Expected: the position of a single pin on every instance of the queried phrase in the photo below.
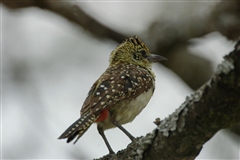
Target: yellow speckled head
(133, 51)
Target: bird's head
(134, 51)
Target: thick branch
(216, 105)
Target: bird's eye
(143, 53)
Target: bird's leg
(124, 130)
(101, 132)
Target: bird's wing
(116, 85)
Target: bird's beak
(156, 58)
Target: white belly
(134, 107)
(128, 110)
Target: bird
(120, 93)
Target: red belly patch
(103, 115)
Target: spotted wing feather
(116, 84)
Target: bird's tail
(79, 127)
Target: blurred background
(52, 52)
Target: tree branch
(169, 37)
(215, 106)
(73, 13)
